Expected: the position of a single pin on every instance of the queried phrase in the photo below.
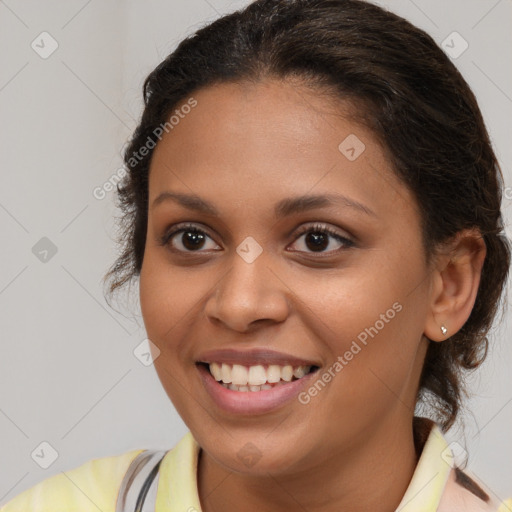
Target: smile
(237, 377)
(254, 389)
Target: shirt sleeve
(91, 487)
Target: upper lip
(251, 357)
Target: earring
(444, 330)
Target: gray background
(68, 374)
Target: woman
(312, 206)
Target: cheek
(351, 304)
(169, 297)
(370, 321)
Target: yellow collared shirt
(94, 486)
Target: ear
(454, 283)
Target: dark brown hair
(405, 89)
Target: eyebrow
(283, 208)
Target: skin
(244, 148)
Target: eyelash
(316, 228)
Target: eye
(193, 239)
(318, 235)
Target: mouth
(255, 378)
(255, 384)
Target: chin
(258, 456)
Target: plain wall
(68, 375)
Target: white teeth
(287, 373)
(273, 373)
(298, 372)
(257, 375)
(216, 371)
(226, 373)
(255, 378)
(239, 375)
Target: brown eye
(191, 239)
(317, 239)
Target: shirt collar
(177, 489)
(432, 470)
(177, 485)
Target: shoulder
(464, 492)
(506, 506)
(92, 486)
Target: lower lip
(252, 402)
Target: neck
(372, 475)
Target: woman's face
(255, 284)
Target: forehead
(252, 144)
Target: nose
(247, 296)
